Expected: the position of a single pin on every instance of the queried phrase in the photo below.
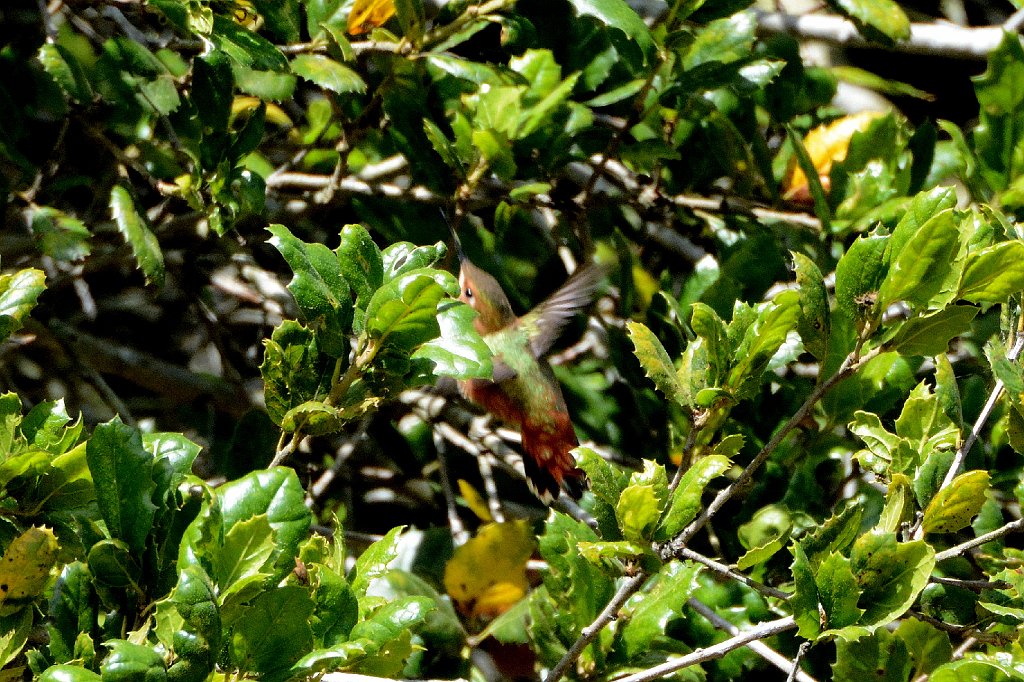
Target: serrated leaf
(662, 602)
(245, 47)
(403, 312)
(686, 498)
(957, 504)
(246, 549)
(274, 633)
(879, 656)
(294, 370)
(994, 273)
(892, 575)
(918, 269)
(72, 609)
(362, 266)
(930, 334)
(122, 472)
(25, 568)
(617, 15)
(761, 340)
(929, 647)
(638, 510)
(374, 561)
(815, 322)
(320, 290)
(59, 235)
(132, 227)
(606, 480)
(881, 20)
(403, 257)
(655, 361)
(838, 593)
(66, 70)
(18, 294)
(327, 73)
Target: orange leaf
(826, 144)
(367, 14)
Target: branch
(939, 39)
(590, 633)
(850, 365)
(761, 631)
(760, 648)
(726, 572)
(1011, 527)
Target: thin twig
(850, 365)
(963, 547)
(725, 571)
(610, 612)
(758, 647)
(761, 631)
(975, 585)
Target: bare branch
(947, 40)
(963, 547)
(761, 631)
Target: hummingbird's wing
(545, 322)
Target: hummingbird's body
(523, 390)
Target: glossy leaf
(881, 656)
(994, 273)
(274, 633)
(122, 471)
(459, 351)
(60, 236)
(618, 15)
(930, 335)
(18, 294)
(815, 320)
(891, 574)
(327, 73)
(655, 361)
(133, 228)
(320, 290)
(127, 662)
(686, 498)
(674, 584)
(25, 568)
(918, 269)
(957, 504)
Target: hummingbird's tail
(549, 466)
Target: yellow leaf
(246, 104)
(476, 503)
(367, 14)
(487, 575)
(954, 506)
(25, 568)
(825, 145)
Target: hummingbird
(523, 391)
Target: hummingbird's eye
(469, 293)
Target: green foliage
(795, 377)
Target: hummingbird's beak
(455, 237)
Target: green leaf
(930, 334)
(954, 506)
(838, 593)
(60, 236)
(112, 564)
(459, 351)
(68, 673)
(761, 340)
(213, 87)
(638, 510)
(929, 647)
(814, 323)
(327, 73)
(277, 493)
(128, 662)
(245, 47)
(606, 480)
(294, 370)
(246, 550)
(881, 656)
(46, 426)
(373, 562)
(918, 269)
(859, 273)
(132, 227)
(994, 273)
(72, 610)
(974, 670)
(336, 606)
(880, 20)
(616, 14)
(25, 569)
(64, 67)
(663, 601)
(891, 574)
(320, 290)
(686, 498)
(402, 257)
(403, 312)
(835, 534)
(122, 472)
(362, 266)
(18, 294)
(274, 633)
(655, 361)
(14, 632)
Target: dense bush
(230, 443)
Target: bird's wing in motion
(544, 323)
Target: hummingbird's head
(483, 293)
